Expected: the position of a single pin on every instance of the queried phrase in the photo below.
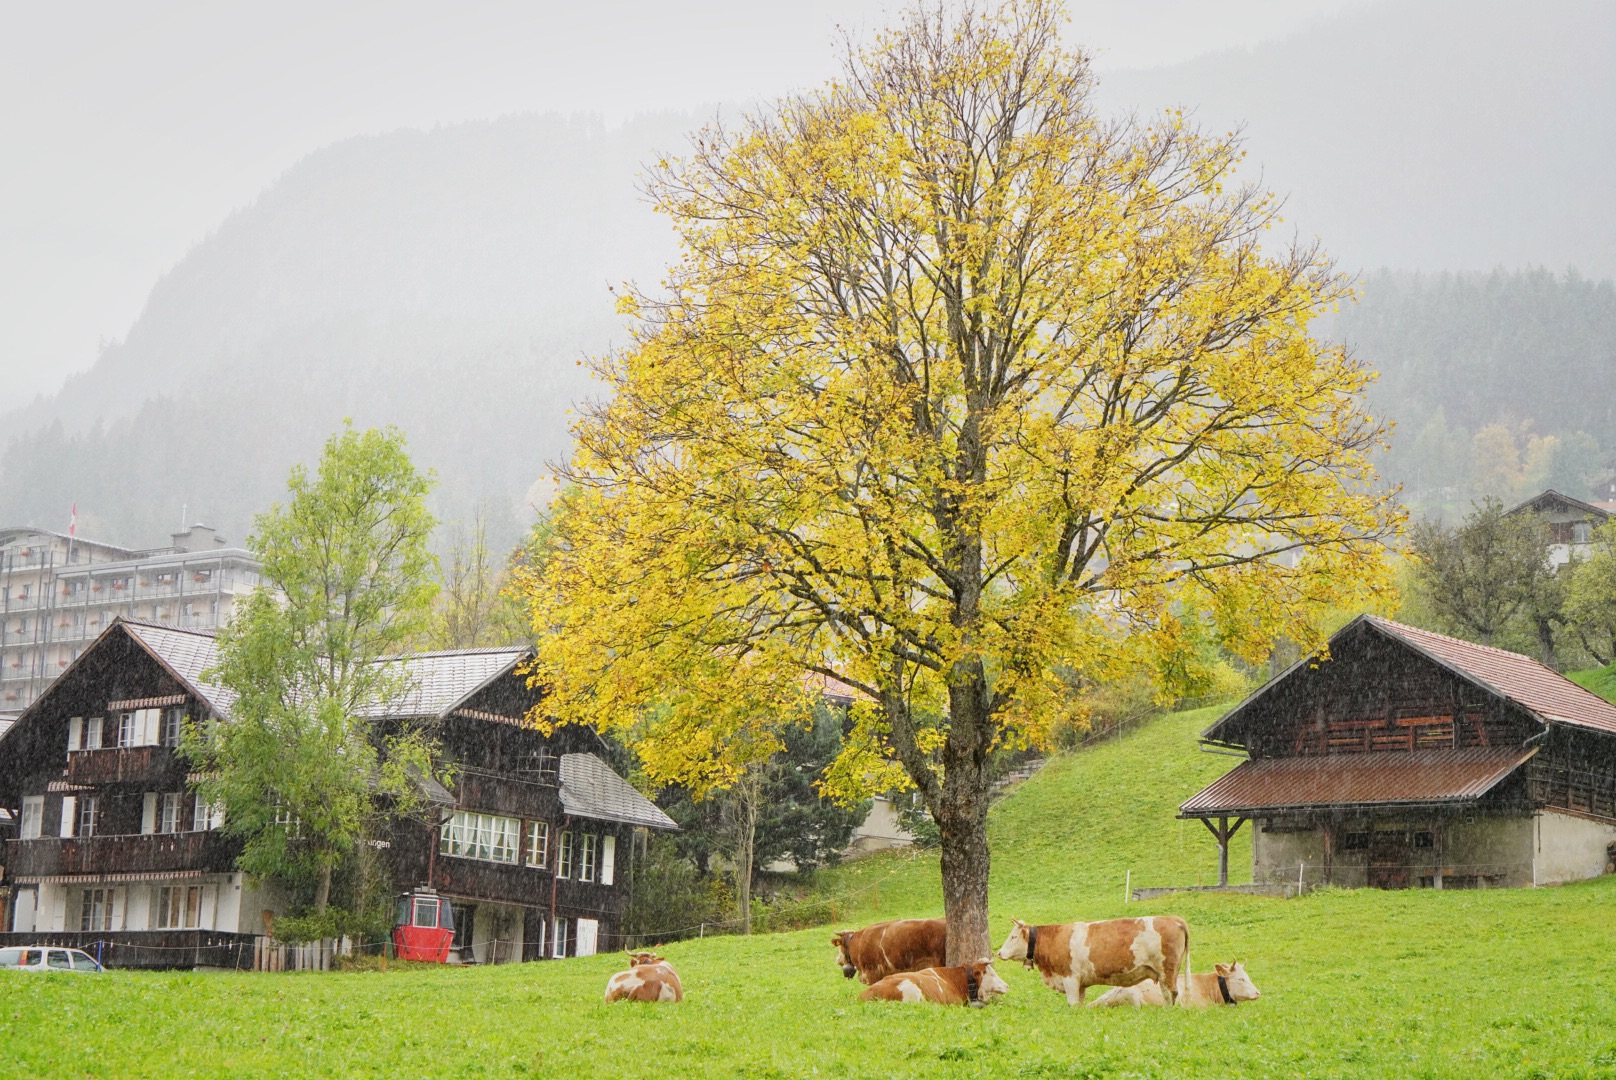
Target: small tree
(476, 608)
(1488, 574)
(304, 774)
(1591, 595)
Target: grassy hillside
(1601, 681)
(1355, 984)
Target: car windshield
(82, 962)
(10, 958)
(59, 961)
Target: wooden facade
(1408, 758)
(114, 849)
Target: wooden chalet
(1409, 759)
(114, 851)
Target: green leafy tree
(1591, 596)
(1489, 575)
(303, 770)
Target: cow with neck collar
(969, 984)
(1072, 957)
(1228, 984)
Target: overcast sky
(132, 129)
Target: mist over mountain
(449, 281)
(1424, 135)
(445, 281)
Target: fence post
(1301, 869)
(1127, 887)
(702, 932)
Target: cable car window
(446, 916)
(426, 911)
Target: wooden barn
(1411, 759)
(114, 851)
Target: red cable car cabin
(425, 927)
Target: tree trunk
(748, 793)
(1545, 642)
(962, 816)
(322, 892)
(965, 881)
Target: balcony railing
(210, 852)
(114, 765)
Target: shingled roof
(1543, 692)
(591, 789)
(1540, 690)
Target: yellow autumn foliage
(957, 392)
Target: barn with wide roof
(1404, 758)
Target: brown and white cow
(1228, 984)
(885, 948)
(1117, 952)
(969, 984)
(649, 978)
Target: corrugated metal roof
(187, 653)
(590, 789)
(1540, 690)
(436, 681)
(1387, 778)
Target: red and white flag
(73, 520)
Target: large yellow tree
(957, 391)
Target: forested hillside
(1499, 384)
(450, 281)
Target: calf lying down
(649, 978)
(971, 984)
(1227, 985)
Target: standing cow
(1117, 952)
(885, 948)
(969, 984)
(1228, 984)
(649, 978)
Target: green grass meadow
(1355, 983)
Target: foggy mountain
(450, 280)
(446, 281)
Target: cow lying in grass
(885, 948)
(1227, 985)
(649, 978)
(1118, 952)
(969, 984)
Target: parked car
(45, 958)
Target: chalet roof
(1541, 691)
(186, 654)
(1546, 499)
(591, 789)
(1327, 781)
(437, 681)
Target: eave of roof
(1382, 779)
(590, 788)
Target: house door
(588, 929)
(1390, 854)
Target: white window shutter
(608, 859)
(75, 733)
(115, 916)
(587, 931)
(151, 726)
(58, 921)
(70, 815)
(148, 814)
